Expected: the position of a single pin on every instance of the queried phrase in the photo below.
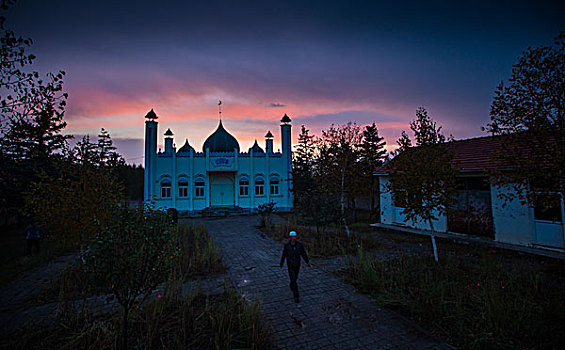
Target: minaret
(168, 142)
(150, 153)
(286, 140)
(269, 143)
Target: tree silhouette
(529, 115)
(423, 177)
(372, 155)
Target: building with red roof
(482, 208)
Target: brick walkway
(331, 314)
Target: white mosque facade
(219, 176)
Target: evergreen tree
(36, 137)
(372, 154)
(106, 149)
(303, 162)
(85, 152)
(31, 119)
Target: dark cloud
(276, 105)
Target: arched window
(183, 188)
(199, 185)
(165, 188)
(244, 186)
(259, 184)
(274, 185)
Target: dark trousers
(293, 274)
(32, 242)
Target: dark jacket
(32, 232)
(292, 254)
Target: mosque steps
(223, 211)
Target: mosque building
(221, 175)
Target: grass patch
(13, 256)
(485, 302)
(224, 321)
(199, 257)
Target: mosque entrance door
(222, 190)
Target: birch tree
(424, 176)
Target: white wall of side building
(513, 221)
(391, 215)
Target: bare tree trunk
(354, 204)
(125, 329)
(372, 194)
(342, 199)
(433, 236)
(342, 194)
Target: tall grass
(224, 321)
(474, 305)
(198, 254)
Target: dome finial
(285, 119)
(220, 110)
(151, 115)
(256, 148)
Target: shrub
(131, 257)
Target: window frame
(259, 188)
(243, 186)
(166, 186)
(199, 186)
(274, 184)
(543, 210)
(182, 186)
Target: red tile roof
(476, 154)
(470, 155)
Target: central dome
(220, 141)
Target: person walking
(292, 252)
(33, 235)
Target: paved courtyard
(331, 315)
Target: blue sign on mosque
(223, 162)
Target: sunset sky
(321, 62)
